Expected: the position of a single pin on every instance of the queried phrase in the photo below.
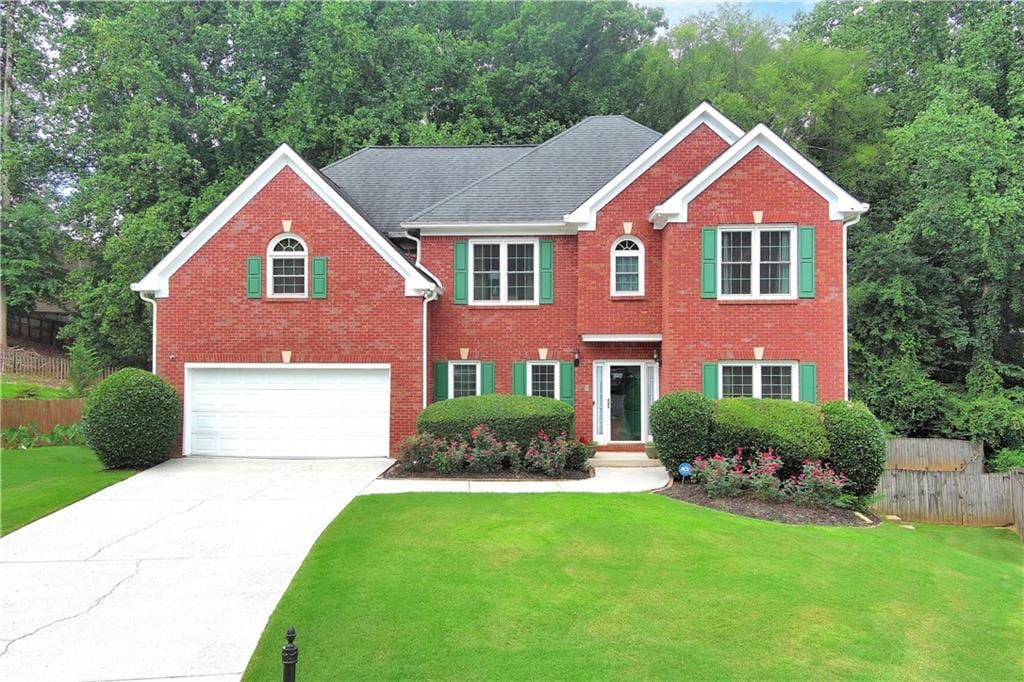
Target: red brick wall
(365, 318)
(700, 330)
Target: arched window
(627, 267)
(287, 267)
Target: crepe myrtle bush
(132, 419)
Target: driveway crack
(99, 600)
(142, 529)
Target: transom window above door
(542, 379)
(287, 267)
(758, 380)
(757, 262)
(503, 272)
(627, 267)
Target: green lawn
(488, 587)
(37, 482)
(22, 389)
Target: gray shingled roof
(550, 180)
(389, 184)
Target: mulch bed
(398, 471)
(783, 512)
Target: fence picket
(30, 363)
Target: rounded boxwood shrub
(856, 443)
(132, 419)
(681, 427)
(512, 417)
(794, 430)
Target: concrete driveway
(169, 574)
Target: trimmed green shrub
(792, 429)
(1007, 459)
(132, 419)
(856, 443)
(681, 427)
(517, 418)
(578, 454)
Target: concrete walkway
(605, 480)
(169, 574)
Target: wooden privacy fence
(935, 454)
(948, 497)
(20, 361)
(45, 414)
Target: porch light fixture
(655, 354)
(576, 358)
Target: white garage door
(288, 410)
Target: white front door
(278, 410)
(623, 393)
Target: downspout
(143, 296)
(846, 310)
(428, 296)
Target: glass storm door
(623, 393)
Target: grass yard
(37, 482)
(431, 586)
(22, 389)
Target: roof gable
(585, 215)
(157, 280)
(841, 204)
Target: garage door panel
(289, 412)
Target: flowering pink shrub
(486, 453)
(763, 477)
(450, 459)
(816, 486)
(416, 452)
(548, 455)
(720, 476)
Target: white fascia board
(586, 214)
(621, 338)
(841, 204)
(489, 229)
(157, 280)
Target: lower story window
(758, 380)
(465, 379)
(543, 379)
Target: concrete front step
(622, 459)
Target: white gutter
(428, 296)
(142, 295)
(846, 310)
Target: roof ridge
(638, 124)
(344, 158)
(426, 146)
(497, 170)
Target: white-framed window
(463, 378)
(757, 262)
(504, 272)
(776, 380)
(287, 267)
(542, 379)
(627, 267)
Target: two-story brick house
(317, 312)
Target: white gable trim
(840, 204)
(157, 280)
(585, 216)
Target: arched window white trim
(627, 267)
(287, 267)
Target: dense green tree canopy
(131, 120)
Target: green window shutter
(519, 378)
(486, 378)
(440, 381)
(319, 276)
(566, 383)
(709, 380)
(253, 277)
(547, 271)
(805, 257)
(708, 262)
(460, 295)
(808, 382)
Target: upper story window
(503, 272)
(287, 267)
(758, 380)
(542, 379)
(757, 262)
(627, 267)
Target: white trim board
(157, 280)
(489, 229)
(621, 338)
(841, 204)
(585, 215)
